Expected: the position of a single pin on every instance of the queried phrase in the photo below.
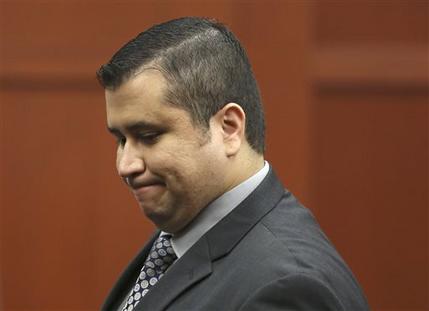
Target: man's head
(184, 105)
(205, 68)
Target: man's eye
(120, 141)
(149, 138)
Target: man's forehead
(133, 112)
(148, 81)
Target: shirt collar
(215, 211)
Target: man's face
(173, 168)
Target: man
(185, 109)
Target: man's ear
(232, 121)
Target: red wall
(345, 88)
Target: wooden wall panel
(370, 79)
(372, 169)
(368, 21)
(52, 148)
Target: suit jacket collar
(223, 237)
(196, 263)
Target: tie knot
(165, 239)
(162, 253)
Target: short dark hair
(204, 65)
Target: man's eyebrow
(141, 125)
(135, 126)
(113, 130)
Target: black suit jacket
(269, 253)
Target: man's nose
(129, 161)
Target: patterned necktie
(160, 257)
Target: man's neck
(243, 167)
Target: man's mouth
(135, 183)
(147, 191)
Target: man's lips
(146, 187)
(135, 183)
(146, 190)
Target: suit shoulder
(305, 254)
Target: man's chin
(157, 215)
